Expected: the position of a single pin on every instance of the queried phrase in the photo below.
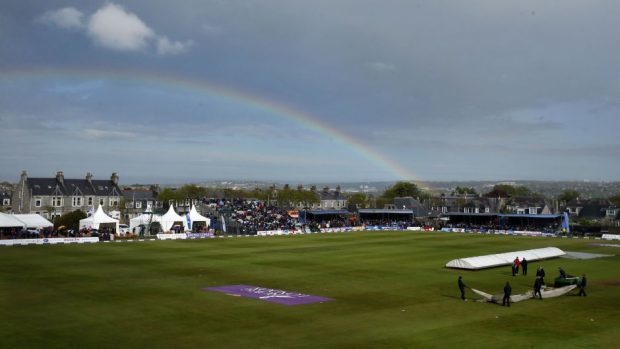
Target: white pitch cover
(496, 260)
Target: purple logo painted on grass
(269, 294)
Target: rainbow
(277, 109)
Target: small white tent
(170, 219)
(195, 217)
(33, 220)
(98, 218)
(143, 219)
(9, 221)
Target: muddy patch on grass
(610, 282)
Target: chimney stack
(89, 177)
(114, 178)
(60, 177)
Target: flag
(565, 222)
(223, 223)
(189, 221)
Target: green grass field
(391, 290)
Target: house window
(113, 202)
(444, 209)
(37, 202)
(89, 201)
(520, 211)
(101, 201)
(533, 210)
(611, 213)
(56, 201)
(129, 204)
(77, 201)
(138, 204)
(487, 210)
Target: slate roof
(70, 187)
(596, 208)
(139, 195)
(527, 201)
(330, 195)
(411, 204)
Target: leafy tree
(71, 220)
(48, 209)
(615, 200)
(360, 200)
(169, 194)
(192, 191)
(464, 191)
(568, 195)
(288, 197)
(401, 189)
(307, 198)
(506, 190)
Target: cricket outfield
(385, 290)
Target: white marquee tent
(9, 221)
(195, 217)
(98, 218)
(143, 219)
(33, 220)
(496, 260)
(171, 218)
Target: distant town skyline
(320, 91)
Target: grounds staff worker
(462, 287)
(507, 292)
(582, 286)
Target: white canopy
(33, 220)
(8, 221)
(171, 217)
(143, 219)
(194, 217)
(496, 260)
(99, 217)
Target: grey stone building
(139, 201)
(5, 201)
(330, 199)
(54, 196)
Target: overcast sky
(428, 90)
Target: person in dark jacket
(562, 273)
(537, 286)
(524, 266)
(541, 272)
(582, 286)
(462, 288)
(507, 292)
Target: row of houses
(54, 196)
(591, 209)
